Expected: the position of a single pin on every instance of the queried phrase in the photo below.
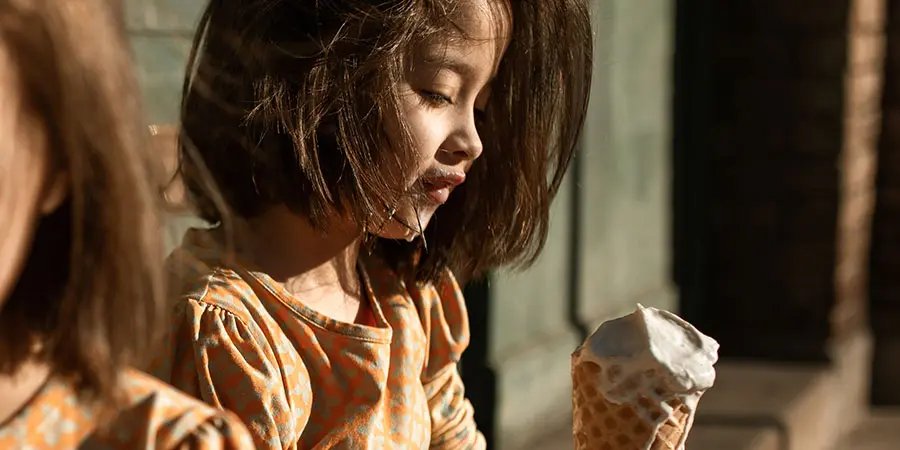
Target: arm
(236, 368)
(446, 325)
(452, 416)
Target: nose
(464, 143)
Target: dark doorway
(692, 113)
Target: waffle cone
(600, 424)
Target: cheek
(15, 240)
(425, 125)
(23, 164)
(426, 131)
(22, 176)
(20, 187)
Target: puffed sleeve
(442, 310)
(235, 364)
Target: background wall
(161, 32)
(609, 246)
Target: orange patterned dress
(152, 416)
(301, 380)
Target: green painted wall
(627, 142)
(161, 32)
(625, 250)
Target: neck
(312, 264)
(19, 387)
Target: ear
(56, 189)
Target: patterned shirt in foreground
(301, 380)
(152, 416)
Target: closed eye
(434, 98)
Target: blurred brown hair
(90, 291)
(285, 102)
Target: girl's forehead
(485, 19)
(481, 30)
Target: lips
(439, 186)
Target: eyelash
(434, 99)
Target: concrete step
(732, 437)
(879, 431)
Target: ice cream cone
(637, 381)
(601, 424)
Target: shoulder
(215, 312)
(147, 414)
(198, 287)
(176, 420)
(153, 414)
(425, 294)
(443, 296)
(440, 306)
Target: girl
(79, 263)
(323, 308)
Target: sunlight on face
(444, 96)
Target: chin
(395, 228)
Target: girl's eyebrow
(454, 64)
(458, 65)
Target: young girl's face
(444, 94)
(23, 175)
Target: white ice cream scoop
(650, 361)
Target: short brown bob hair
(90, 292)
(285, 102)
